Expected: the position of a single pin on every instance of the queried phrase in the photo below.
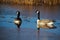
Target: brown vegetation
(31, 2)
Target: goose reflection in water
(38, 35)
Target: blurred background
(49, 9)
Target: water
(8, 29)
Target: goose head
(18, 20)
(38, 12)
(18, 14)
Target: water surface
(8, 29)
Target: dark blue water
(29, 17)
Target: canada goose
(45, 23)
(18, 20)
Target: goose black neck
(39, 15)
(18, 15)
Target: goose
(44, 23)
(18, 20)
